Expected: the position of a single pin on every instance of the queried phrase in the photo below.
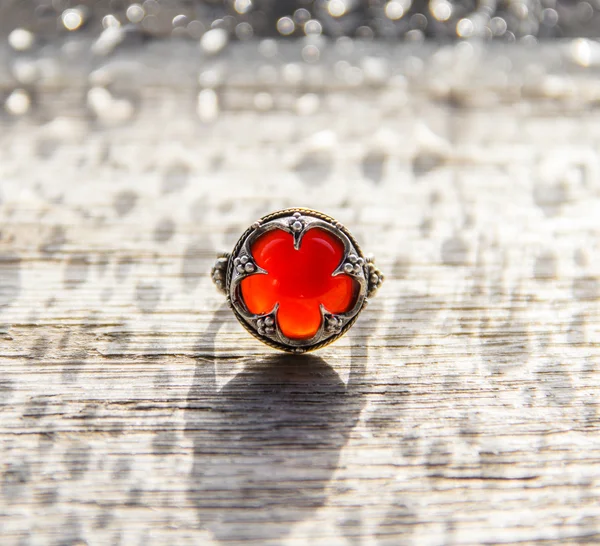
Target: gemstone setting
(306, 284)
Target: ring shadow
(267, 444)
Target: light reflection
(313, 28)
(308, 104)
(550, 17)
(585, 52)
(135, 13)
(267, 48)
(465, 28)
(20, 39)
(107, 108)
(301, 16)
(498, 26)
(110, 21)
(418, 21)
(415, 35)
(214, 40)
(18, 102)
(151, 24)
(242, 6)
(337, 8)
(179, 20)
(395, 9)
(242, 19)
(375, 70)
(584, 11)
(365, 32)
(25, 71)
(110, 38)
(529, 40)
(440, 9)
(244, 30)
(520, 9)
(210, 77)
(207, 105)
(151, 7)
(311, 53)
(285, 26)
(292, 73)
(72, 19)
(195, 29)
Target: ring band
(296, 279)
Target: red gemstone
(299, 280)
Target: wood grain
(463, 406)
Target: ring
(296, 279)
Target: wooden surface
(463, 406)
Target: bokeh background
(457, 140)
(242, 20)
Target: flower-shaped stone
(299, 280)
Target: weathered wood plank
(463, 407)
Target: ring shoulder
(218, 273)
(374, 278)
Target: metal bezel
(296, 221)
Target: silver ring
(296, 279)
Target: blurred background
(457, 140)
(242, 20)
